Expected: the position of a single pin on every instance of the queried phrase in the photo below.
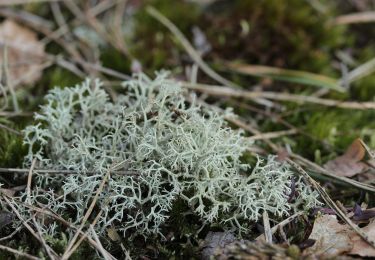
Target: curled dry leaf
(24, 53)
(334, 239)
(349, 164)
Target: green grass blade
(301, 77)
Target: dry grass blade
(301, 77)
(230, 92)
(76, 245)
(362, 17)
(16, 212)
(21, 2)
(272, 135)
(13, 131)
(47, 171)
(72, 246)
(267, 227)
(28, 191)
(100, 246)
(281, 224)
(11, 235)
(65, 223)
(324, 172)
(331, 203)
(18, 253)
(68, 251)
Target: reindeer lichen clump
(168, 149)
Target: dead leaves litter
(24, 53)
(335, 239)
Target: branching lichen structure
(159, 148)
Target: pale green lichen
(168, 149)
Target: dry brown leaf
(24, 53)
(360, 247)
(349, 164)
(334, 239)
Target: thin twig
(76, 245)
(15, 114)
(13, 131)
(267, 227)
(16, 252)
(11, 235)
(51, 171)
(23, 221)
(48, 212)
(231, 92)
(324, 172)
(68, 251)
(272, 135)
(74, 248)
(281, 224)
(21, 2)
(100, 246)
(30, 18)
(362, 17)
(28, 194)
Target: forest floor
(299, 75)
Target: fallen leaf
(24, 53)
(349, 164)
(334, 239)
(360, 247)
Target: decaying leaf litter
(299, 87)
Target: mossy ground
(294, 36)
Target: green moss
(272, 33)
(58, 76)
(111, 58)
(12, 151)
(152, 43)
(332, 131)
